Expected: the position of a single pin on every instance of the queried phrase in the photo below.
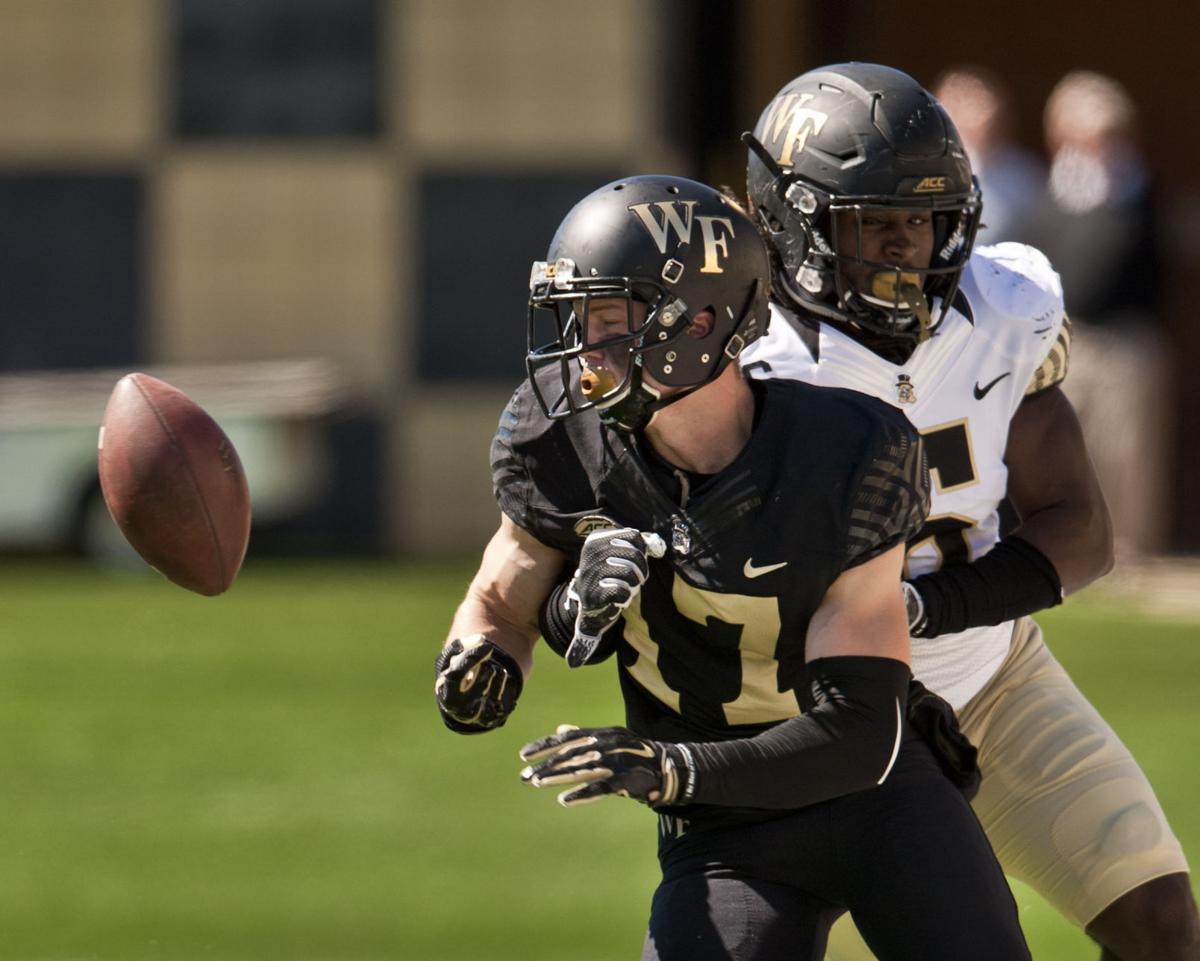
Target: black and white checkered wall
(204, 181)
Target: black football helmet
(852, 137)
(666, 249)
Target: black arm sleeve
(554, 620)
(846, 743)
(1013, 579)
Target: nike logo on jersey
(982, 392)
(751, 571)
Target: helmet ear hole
(702, 323)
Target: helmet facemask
(806, 226)
(562, 335)
(896, 300)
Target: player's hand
(477, 685)
(608, 760)
(613, 566)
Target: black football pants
(908, 860)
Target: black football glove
(609, 760)
(477, 685)
(613, 566)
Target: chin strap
(637, 408)
(914, 296)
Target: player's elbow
(866, 744)
(1097, 557)
(861, 702)
(882, 745)
(1082, 547)
(1105, 560)
(1105, 555)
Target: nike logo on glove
(981, 392)
(751, 571)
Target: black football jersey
(713, 647)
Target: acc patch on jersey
(592, 523)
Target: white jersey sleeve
(960, 389)
(1024, 315)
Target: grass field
(263, 776)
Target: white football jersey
(1004, 337)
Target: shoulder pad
(890, 499)
(1018, 306)
(543, 471)
(1016, 281)
(789, 349)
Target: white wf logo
(788, 112)
(716, 231)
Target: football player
(748, 537)
(859, 180)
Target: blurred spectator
(1010, 176)
(1097, 224)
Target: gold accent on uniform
(760, 700)
(645, 670)
(935, 475)
(1053, 369)
(931, 185)
(913, 546)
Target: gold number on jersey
(948, 535)
(951, 458)
(759, 699)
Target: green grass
(263, 775)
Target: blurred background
(317, 216)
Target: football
(174, 484)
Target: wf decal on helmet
(715, 243)
(788, 111)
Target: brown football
(174, 484)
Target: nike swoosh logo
(981, 392)
(751, 571)
(896, 746)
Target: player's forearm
(556, 620)
(1053, 486)
(481, 669)
(479, 615)
(514, 577)
(1076, 536)
(846, 743)
(1012, 580)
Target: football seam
(191, 474)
